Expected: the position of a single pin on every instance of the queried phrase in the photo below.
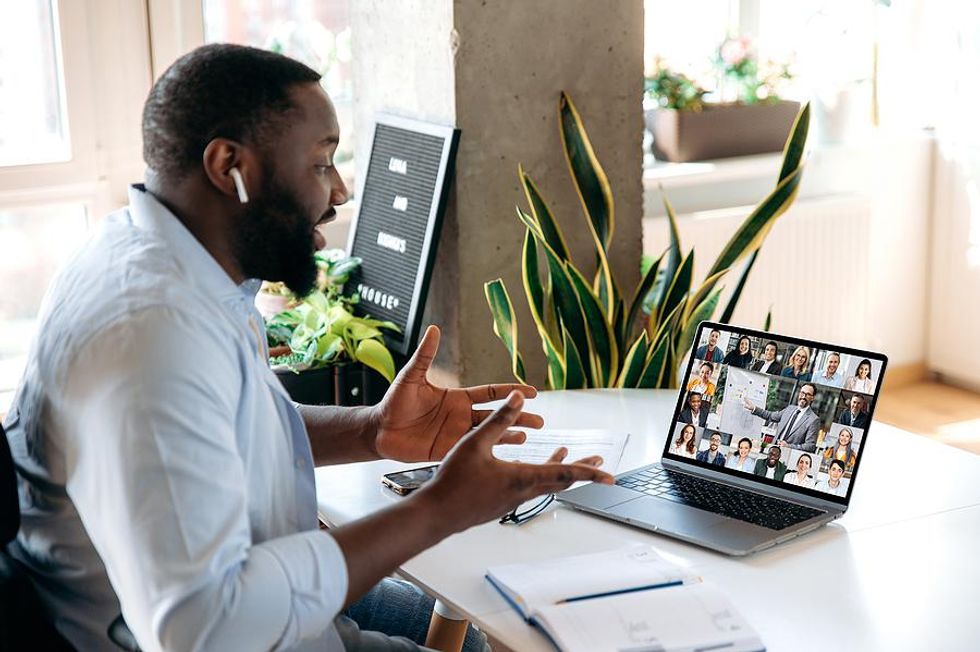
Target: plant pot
(347, 384)
(720, 130)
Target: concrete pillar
(495, 69)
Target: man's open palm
(420, 421)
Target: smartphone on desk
(404, 482)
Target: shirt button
(299, 462)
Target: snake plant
(591, 334)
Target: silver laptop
(764, 444)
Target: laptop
(764, 445)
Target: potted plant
(745, 114)
(591, 334)
(320, 350)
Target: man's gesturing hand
(421, 421)
(473, 486)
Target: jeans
(392, 617)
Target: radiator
(812, 271)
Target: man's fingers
(487, 393)
(490, 431)
(566, 474)
(558, 455)
(591, 460)
(418, 366)
(512, 437)
(524, 420)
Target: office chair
(23, 625)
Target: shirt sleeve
(153, 468)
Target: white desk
(898, 571)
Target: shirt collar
(150, 214)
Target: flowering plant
(672, 90)
(748, 82)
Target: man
(164, 472)
(854, 414)
(768, 364)
(833, 484)
(712, 455)
(831, 376)
(702, 383)
(693, 413)
(798, 425)
(771, 467)
(710, 351)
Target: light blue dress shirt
(161, 465)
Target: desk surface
(895, 572)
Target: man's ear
(221, 156)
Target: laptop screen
(777, 410)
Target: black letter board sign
(396, 226)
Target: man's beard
(274, 240)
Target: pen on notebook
(648, 587)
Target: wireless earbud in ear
(236, 176)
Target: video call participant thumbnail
(833, 484)
(685, 445)
(768, 364)
(861, 381)
(854, 414)
(710, 351)
(831, 375)
(741, 355)
(771, 467)
(712, 455)
(702, 382)
(843, 450)
(696, 411)
(801, 477)
(797, 365)
(798, 425)
(740, 460)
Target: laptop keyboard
(719, 498)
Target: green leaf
(570, 314)
(698, 297)
(600, 332)
(634, 363)
(642, 290)
(593, 191)
(547, 225)
(795, 143)
(328, 347)
(680, 286)
(752, 232)
(374, 354)
(591, 182)
(653, 370)
(726, 316)
(702, 312)
(556, 366)
(662, 284)
(504, 324)
(535, 292)
(754, 229)
(575, 375)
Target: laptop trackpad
(668, 516)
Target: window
(69, 144)
(316, 33)
(33, 116)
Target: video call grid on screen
(770, 371)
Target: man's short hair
(219, 90)
(691, 395)
(838, 463)
(812, 386)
